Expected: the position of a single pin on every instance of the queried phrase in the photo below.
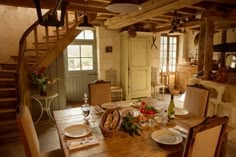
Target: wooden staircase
(38, 47)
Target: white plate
(133, 112)
(166, 137)
(78, 130)
(123, 104)
(180, 111)
(109, 105)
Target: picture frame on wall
(108, 49)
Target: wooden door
(80, 65)
(138, 67)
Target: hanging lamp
(123, 6)
(85, 25)
(174, 25)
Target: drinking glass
(85, 111)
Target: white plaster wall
(108, 60)
(14, 21)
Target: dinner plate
(123, 104)
(109, 105)
(78, 130)
(166, 137)
(180, 111)
(133, 112)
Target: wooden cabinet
(135, 65)
(183, 75)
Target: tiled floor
(49, 140)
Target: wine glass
(85, 111)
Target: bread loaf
(108, 121)
(115, 119)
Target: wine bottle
(171, 108)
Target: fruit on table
(150, 110)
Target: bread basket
(109, 132)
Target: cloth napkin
(82, 142)
(182, 131)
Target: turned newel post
(201, 47)
(208, 48)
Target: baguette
(108, 121)
(115, 119)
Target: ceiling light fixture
(85, 25)
(174, 25)
(123, 6)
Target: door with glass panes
(80, 65)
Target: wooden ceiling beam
(196, 7)
(223, 1)
(149, 9)
(185, 25)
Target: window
(168, 53)
(80, 53)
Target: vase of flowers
(42, 80)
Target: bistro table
(121, 144)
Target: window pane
(73, 51)
(89, 34)
(87, 63)
(86, 51)
(81, 35)
(73, 64)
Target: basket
(109, 132)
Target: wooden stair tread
(8, 99)
(50, 42)
(7, 110)
(40, 49)
(7, 89)
(9, 122)
(8, 71)
(9, 136)
(7, 79)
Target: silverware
(82, 141)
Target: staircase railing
(26, 50)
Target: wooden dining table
(120, 144)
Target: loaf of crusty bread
(115, 119)
(108, 121)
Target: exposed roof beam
(223, 1)
(196, 7)
(185, 25)
(149, 9)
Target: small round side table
(48, 100)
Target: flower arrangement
(42, 80)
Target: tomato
(151, 112)
(143, 103)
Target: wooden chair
(99, 92)
(207, 139)
(30, 138)
(116, 90)
(156, 86)
(196, 100)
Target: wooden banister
(22, 71)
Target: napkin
(178, 129)
(82, 142)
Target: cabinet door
(139, 69)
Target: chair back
(196, 100)
(28, 132)
(99, 92)
(153, 76)
(207, 138)
(111, 76)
